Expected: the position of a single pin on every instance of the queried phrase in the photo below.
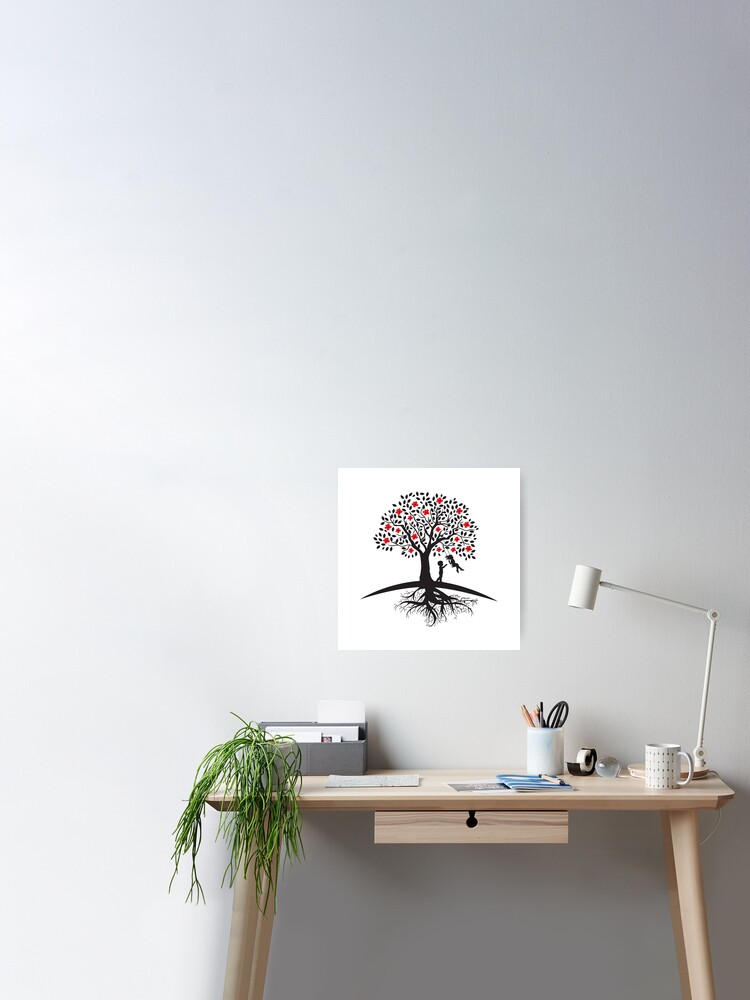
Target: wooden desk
(434, 813)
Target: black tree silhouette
(430, 526)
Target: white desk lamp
(586, 583)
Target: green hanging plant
(255, 777)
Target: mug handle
(689, 759)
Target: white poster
(429, 558)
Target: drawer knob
(472, 821)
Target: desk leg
(687, 903)
(249, 944)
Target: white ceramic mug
(662, 767)
(544, 751)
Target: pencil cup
(544, 751)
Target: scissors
(557, 716)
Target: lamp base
(639, 771)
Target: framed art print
(429, 558)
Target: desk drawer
(459, 827)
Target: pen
(541, 715)
(553, 778)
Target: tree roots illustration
(434, 605)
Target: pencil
(527, 717)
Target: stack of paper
(371, 780)
(314, 732)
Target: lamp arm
(699, 753)
(654, 597)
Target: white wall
(224, 226)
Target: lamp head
(585, 587)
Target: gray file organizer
(331, 758)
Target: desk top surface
(433, 793)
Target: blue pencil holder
(545, 751)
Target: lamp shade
(585, 587)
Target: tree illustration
(438, 531)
